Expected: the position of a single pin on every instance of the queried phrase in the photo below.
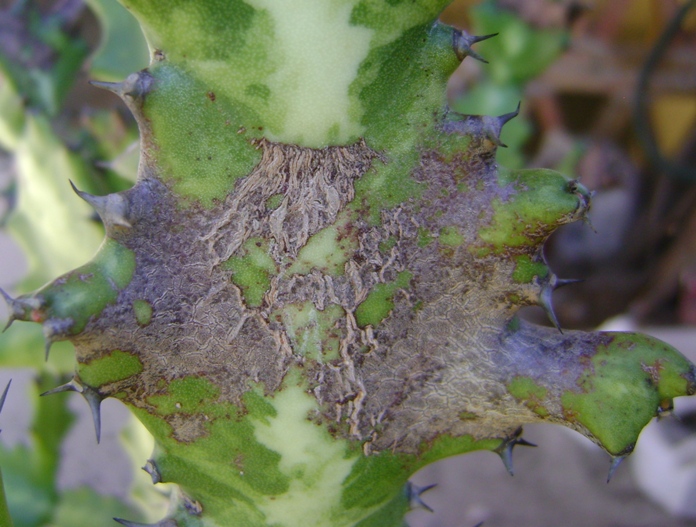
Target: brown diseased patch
(440, 352)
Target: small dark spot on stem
(211, 96)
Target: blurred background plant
(579, 70)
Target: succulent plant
(311, 290)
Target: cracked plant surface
(311, 290)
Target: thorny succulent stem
(311, 290)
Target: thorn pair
(91, 395)
(113, 209)
(481, 126)
(27, 309)
(493, 132)
(585, 197)
(546, 293)
(135, 86)
(505, 449)
(414, 492)
(19, 308)
(462, 42)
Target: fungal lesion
(373, 361)
(396, 339)
(307, 188)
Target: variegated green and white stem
(311, 290)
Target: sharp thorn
(4, 394)
(112, 208)
(55, 329)
(523, 442)
(92, 396)
(474, 39)
(18, 308)
(561, 282)
(414, 493)
(545, 303)
(615, 462)
(70, 386)
(505, 118)
(114, 87)
(10, 306)
(471, 53)
(47, 348)
(134, 86)
(587, 221)
(164, 523)
(506, 456)
(94, 399)
(75, 189)
(462, 42)
(8, 299)
(89, 198)
(505, 449)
